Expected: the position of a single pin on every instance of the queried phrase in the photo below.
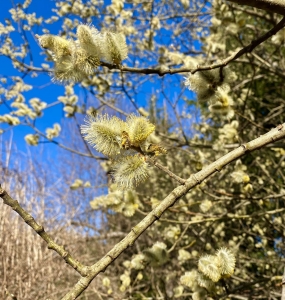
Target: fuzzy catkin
(89, 39)
(56, 44)
(104, 133)
(113, 47)
(130, 171)
(139, 128)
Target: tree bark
(275, 6)
(283, 286)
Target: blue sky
(43, 88)
(47, 155)
(47, 91)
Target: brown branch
(275, 6)
(162, 70)
(250, 121)
(166, 170)
(65, 147)
(283, 286)
(39, 229)
(268, 138)
(255, 13)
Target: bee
(125, 143)
(156, 149)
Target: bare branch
(166, 170)
(283, 286)
(65, 147)
(275, 6)
(39, 229)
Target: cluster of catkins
(75, 60)
(127, 143)
(212, 268)
(213, 87)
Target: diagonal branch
(275, 6)
(283, 286)
(65, 147)
(268, 138)
(39, 229)
(161, 71)
(166, 170)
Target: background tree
(234, 217)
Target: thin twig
(108, 104)
(246, 118)
(179, 239)
(166, 170)
(65, 147)
(283, 286)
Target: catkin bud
(104, 133)
(139, 128)
(32, 139)
(89, 39)
(113, 47)
(129, 171)
(205, 282)
(76, 66)
(157, 255)
(209, 265)
(227, 261)
(58, 45)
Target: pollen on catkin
(104, 133)
(209, 265)
(56, 44)
(113, 47)
(227, 261)
(64, 70)
(129, 171)
(89, 38)
(139, 128)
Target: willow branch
(162, 70)
(275, 6)
(283, 286)
(195, 179)
(65, 147)
(166, 170)
(108, 103)
(39, 229)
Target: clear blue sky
(43, 87)
(47, 91)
